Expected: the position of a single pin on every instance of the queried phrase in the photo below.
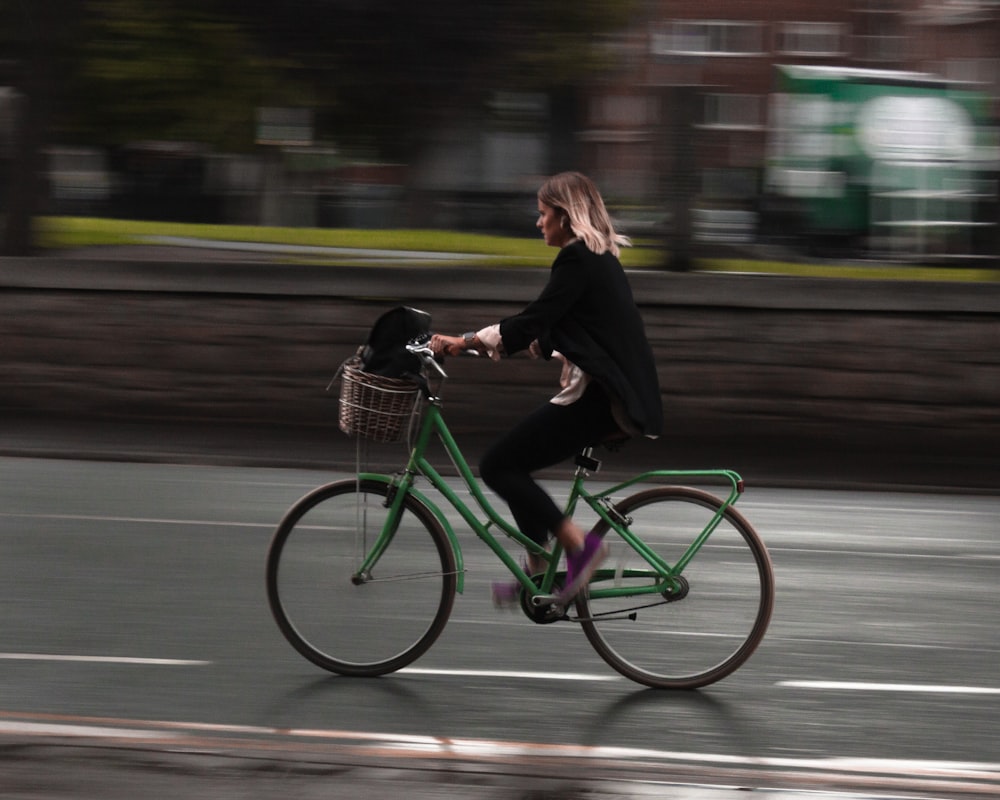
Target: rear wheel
(706, 623)
(348, 623)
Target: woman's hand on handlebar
(447, 345)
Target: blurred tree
(36, 39)
(388, 72)
(107, 72)
(385, 74)
(169, 71)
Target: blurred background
(844, 129)
(852, 141)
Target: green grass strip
(76, 232)
(873, 271)
(503, 251)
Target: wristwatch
(469, 338)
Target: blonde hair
(577, 197)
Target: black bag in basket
(385, 351)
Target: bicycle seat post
(586, 463)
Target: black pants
(545, 437)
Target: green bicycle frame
(660, 572)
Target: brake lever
(420, 346)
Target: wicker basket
(372, 406)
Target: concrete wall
(737, 355)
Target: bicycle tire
(365, 628)
(703, 635)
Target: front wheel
(705, 624)
(343, 621)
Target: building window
(879, 38)
(622, 110)
(983, 71)
(876, 6)
(709, 38)
(880, 48)
(811, 39)
(733, 111)
(948, 12)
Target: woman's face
(550, 224)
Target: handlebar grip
(420, 346)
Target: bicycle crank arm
(539, 600)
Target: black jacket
(587, 313)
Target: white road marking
(55, 729)
(829, 551)
(487, 673)
(143, 520)
(861, 686)
(162, 662)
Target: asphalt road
(139, 656)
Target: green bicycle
(362, 573)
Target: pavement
(64, 767)
(45, 761)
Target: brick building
(727, 51)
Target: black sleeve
(567, 283)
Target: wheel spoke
(720, 613)
(351, 623)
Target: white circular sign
(897, 127)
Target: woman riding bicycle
(585, 317)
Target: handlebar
(421, 346)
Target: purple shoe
(506, 594)
(580, 565)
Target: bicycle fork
(394, 498)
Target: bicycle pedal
(540, 600)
